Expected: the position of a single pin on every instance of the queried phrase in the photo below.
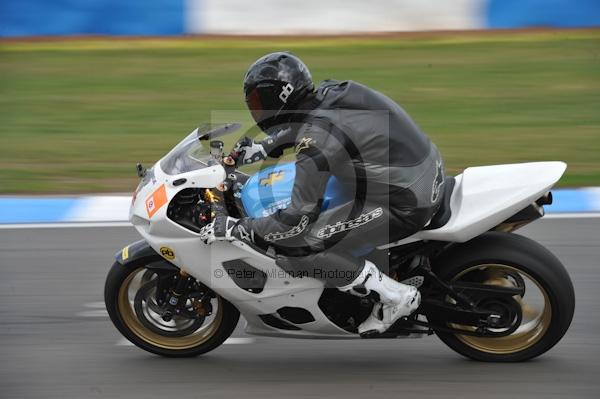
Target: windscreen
(193, 152)
(190, 154)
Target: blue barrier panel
(574, 201)
(91, 17)
(35, 210)
(551, 13)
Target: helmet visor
(255, 105)
(262, 107)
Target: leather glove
(220, 229)
(249, 151)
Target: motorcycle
(487, 293)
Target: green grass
(75, 116)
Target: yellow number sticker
(167, 253)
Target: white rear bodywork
(483, 197)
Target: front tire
(503, 258)
(170, 341)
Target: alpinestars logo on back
(438, 181)
(294, 231)
(363, 219)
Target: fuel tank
(271, 189)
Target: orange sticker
(155, 201)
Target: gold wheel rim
(130, 319)
(522, 338)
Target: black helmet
(275, 83)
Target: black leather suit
(390, 169)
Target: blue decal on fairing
(271, 189)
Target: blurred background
(89, 87)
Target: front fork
(177, 297)
(174, 300)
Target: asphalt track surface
(56, 340)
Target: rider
(372, 147)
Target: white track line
(63, 225)
(588, 215)
(97, 309)
(95, 305)
(100, 311)
(93, 313)
(239, 341)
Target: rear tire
(531, 259)
(225, 320)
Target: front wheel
(135, 298)
(546, 306)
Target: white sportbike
(488, 293)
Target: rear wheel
(546, 307)
(135, 300)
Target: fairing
(483, 198)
